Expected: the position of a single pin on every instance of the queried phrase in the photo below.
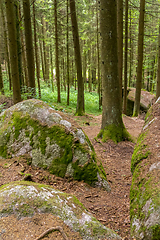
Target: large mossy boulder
(24, 199)
(52, 141)
(145, 188)
(147, 98)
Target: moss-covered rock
(52, 140)
(26, 198)
(145, 188)
(147, 98)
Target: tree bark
(120, 42)
(80, 97)
(57, 54)
(13, 50)
(158, 70)
(67, 39)
(112, 124)
(36, 51)
(19, 48)
(125, 59)
(98, 58)
(29, 46)
(1, 80)
(140, 59)
(6, 47)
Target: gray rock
(145, 188)
(52, 140)
(24, 199)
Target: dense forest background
(38, 55)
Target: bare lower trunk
(80, 97)
(140, 59)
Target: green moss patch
(115, 133)
(141, 151)
(32, 128)
(145, 188)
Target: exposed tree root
(58, 228)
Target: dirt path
(112, 209)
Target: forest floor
(111, 209)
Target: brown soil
(111, 209)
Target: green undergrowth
(50, 97)
(91, 100)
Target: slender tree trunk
(6, 47)
(51, 59)
(112, 124)
(1, 80)
(125, 59)
(29, 45)
(36, 51)
(131, 50)
(19, 49)
(98, 59)
(140, 59)
(120, 42)
(45, 50)
(57, 54)
(84, 68)
(13, 50)
(42, 59)
(80, 97)
(89, 68)
(158, 69)
(67, 40)
(24, 58)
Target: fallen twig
(58, 228)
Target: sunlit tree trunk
(112, 125)
(80, 97)
(140, 59)
(13, 50)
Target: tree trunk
(125, 59)
(67, 40)
(140, 59)
(29, 46)
(19, 48)
(57, 54)
(1, 80)
(80, 97)
(13, 50)
(112, 124)
(120, 42)
(24, 58)
(98, 59)
(6, 47)
(158, 70)
(36, 51)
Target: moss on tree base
(115, 133)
